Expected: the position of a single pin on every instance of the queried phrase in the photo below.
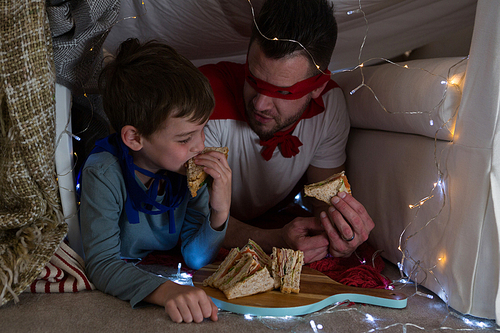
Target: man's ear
(131, 138)
(317, 92)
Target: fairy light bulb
(76, 137)
(356, 89)
(370, 318)
(313, 326)
(455, 80)
(353, 11)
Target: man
(282, 117)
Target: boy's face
(171, 146)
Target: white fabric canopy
(212, 30)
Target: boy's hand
(184, 303)
(215, 164)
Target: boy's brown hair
(146, 83)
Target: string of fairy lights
(448, 81)
(342, 311)
(417, 265)
(438, 186)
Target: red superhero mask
(298, 90)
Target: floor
(97, 312)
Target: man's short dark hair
(310, 22)
(146, 83)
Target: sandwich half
(246, 277)
(230, 261)
(196, 177)
(325, 190)
(243, 272)
(258, 282)
(286, 268)
(256, 251)
(239, 268)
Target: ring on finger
(348, 239)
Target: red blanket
(362, 269)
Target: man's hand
(307, 235)
(347, 225)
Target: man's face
(267, 115)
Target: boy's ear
(131, 138)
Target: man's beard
(266, 134)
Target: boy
(134, 190)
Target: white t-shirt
(257, 184)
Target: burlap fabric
(31, 223)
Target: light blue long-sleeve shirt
(108, 237)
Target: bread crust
(259, 282)
(326, 189)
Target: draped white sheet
(477, 129)
(212, 30)
(468, 234)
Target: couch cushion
(418, 97)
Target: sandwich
(250, 271)
(258, 282)
(246, 277)
(325, 190)
(229, 262)
(243, 272)
(258, 254)
(196, 177)
(286, 268)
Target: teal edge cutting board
(317, 291)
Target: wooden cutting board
(316, 292)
